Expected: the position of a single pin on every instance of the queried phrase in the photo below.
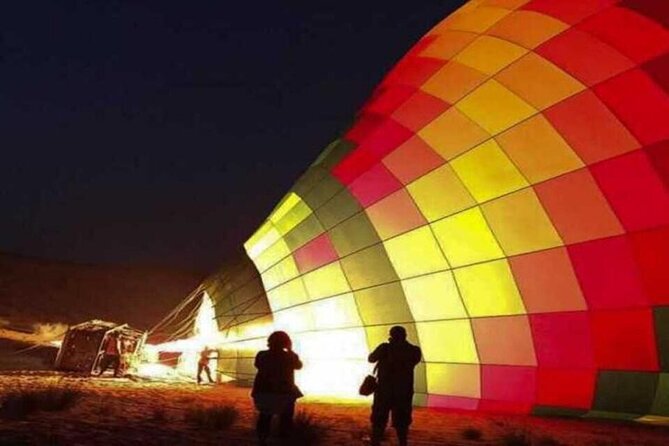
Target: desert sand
(137, 412)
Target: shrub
(18, 404)
(212, 418)
(471, 433)
(307, 431)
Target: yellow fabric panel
(489, 54)
(284, 207)
(434, 297)
(487, 172)
(294, 217)
(463, 380)
(520, 223)
(264, 237)
(440, 193)
(337, 312)
(475, 20)
(448, 44)
(384, 214)
(539, 82)
(287, 295)
(447, 341)
(488, 289)
(453, 81)
(452, 134)
(415, 253)
(368, 268)
(280, 273)
(333, 344)
(272, 255)
(538, 150)
(294, 320)
(494, 107)
(466, 238)
(326, 281)
(527, 28)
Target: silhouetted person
(395, 360)
(203, 365)
(112, 354)
(274, 390)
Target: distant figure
(112, 354)
(395, 360)
(274, 390)
(203, 364)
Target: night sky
(162, 133)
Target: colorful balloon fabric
(503, 195)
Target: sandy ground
(128, 412)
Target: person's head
(398, 334)
(279, 340)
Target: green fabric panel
(383, 304)
(601, 414)
(420, 399)
(625, 392)
(309, 180)
(368, 268)
(661, 403)
(338, 209)
(550, 411)
(309, 229)
(354, 234)
(420, 378)
(322, 192)
(661, 315)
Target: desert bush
(307, 431)
(20, 403)
(211, 418)
(516, 438)
(471, 433)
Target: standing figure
(112, 354)
(274, 390)
(395, 360)
(203, 364)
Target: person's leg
(379, 418)
(116, 360)
(263, 426)
(401, 412)
(208, 372)
(199, 373)
(104, 364)
(286, 420)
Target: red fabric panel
(413, 71)
(659, 156)
(315, 254)
(653, 9)
(373, 185)
(387, 100)
(569, 11)
(634, 190)
(651, 250)
(658, 69)
(508, 383)
(639, 103)
(385, 138)
(624, 340)
(363, 127)
(641, 38)
(565, 388)
(574, 51)
(608, 274)
(419, 110)
(562, 340)
(590, 128)
(412, 159)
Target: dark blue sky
(163, 132)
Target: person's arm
(297, 364)
(378, 353)
(258, 363)
(418, 354)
